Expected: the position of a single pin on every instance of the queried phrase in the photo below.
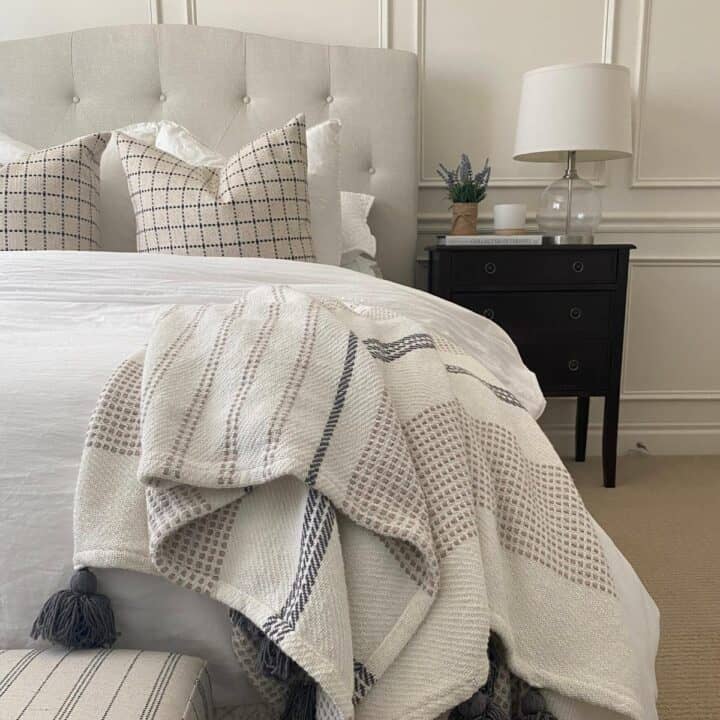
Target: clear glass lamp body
(576, 221)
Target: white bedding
(66, 320)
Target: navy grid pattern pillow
(255, 206)
(49, 199)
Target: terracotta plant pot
(464, 220)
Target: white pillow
(357, 238)
(117, 217)
(323, 150)
(12, 150)
(362, 264)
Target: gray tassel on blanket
(272, 662)
(482, 705)
(527, 704)
(479, 707)
(302, 700)
(532, 707)
(78, 618)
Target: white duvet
(66, 320)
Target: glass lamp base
(569, 208)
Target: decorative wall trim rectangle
(191, 17)
(637, 180)
(606, 55)
(663, 261)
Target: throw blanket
(365, 498)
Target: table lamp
(571, 114)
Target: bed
(68, 319)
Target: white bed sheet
(66, 320)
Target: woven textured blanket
(367, 501)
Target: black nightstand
(563, 305)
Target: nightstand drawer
(535, 316)
(532, 267)
(568, 367)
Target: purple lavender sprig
(462, 185)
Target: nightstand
(563, 305)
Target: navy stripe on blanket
(394, 350)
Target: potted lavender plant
(466, 191)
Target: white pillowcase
(117, 217)
(12, 150)
(362, 264)
(357, 238)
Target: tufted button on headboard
(227, 87)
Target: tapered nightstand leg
(581, 427)
(609, 440)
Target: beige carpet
(665, 517)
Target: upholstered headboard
(227, 87)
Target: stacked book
(523, 239)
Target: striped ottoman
(103, 685)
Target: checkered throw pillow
(49, 199)
(255, 206)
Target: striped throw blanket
(367, 501)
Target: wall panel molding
(186, 10)
(608, 51)
(191, 12)
(659, 438)
(612, 222)
(606, 55)
(638, 180)
(666, 262)
(383, 23)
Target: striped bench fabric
(56, 684)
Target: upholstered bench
(103, 685)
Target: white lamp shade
(583, 108)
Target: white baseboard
(657, 438)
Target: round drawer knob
(490, 268)
(489, 313)
(578, 266)
(575, 313)
(573, 365)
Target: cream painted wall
(472, 53)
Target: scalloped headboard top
(227, 87)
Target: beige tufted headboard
(227, 87)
